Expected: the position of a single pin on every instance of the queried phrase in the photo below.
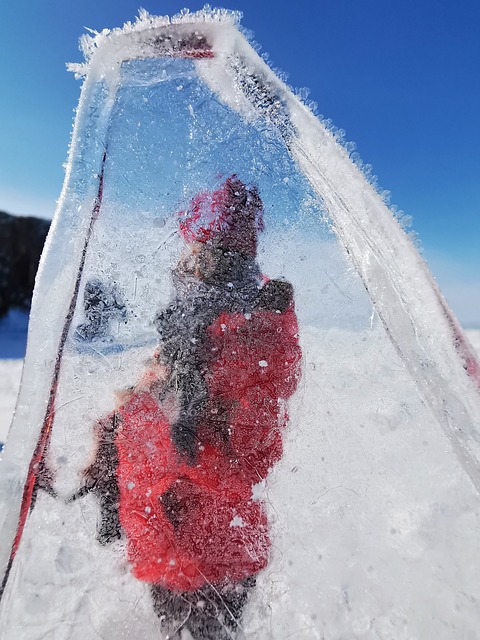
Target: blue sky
(401, 78)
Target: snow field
(11, 371)
(373, 519)
(360, 509)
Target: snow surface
(382, 498)
(11, 371)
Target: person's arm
(153, 380)
(100, 478)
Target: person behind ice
(178, 462)
(102, 303)
(217, 273)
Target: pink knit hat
(230, 217)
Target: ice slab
(373, 508)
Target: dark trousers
(209, 613)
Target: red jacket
(185, 524)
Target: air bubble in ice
(237, 521)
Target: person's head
(227, 219)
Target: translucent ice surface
(250, 412)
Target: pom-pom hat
(230, 217)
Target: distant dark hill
(21, 243)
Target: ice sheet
(374, 507)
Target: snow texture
(374, 507)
